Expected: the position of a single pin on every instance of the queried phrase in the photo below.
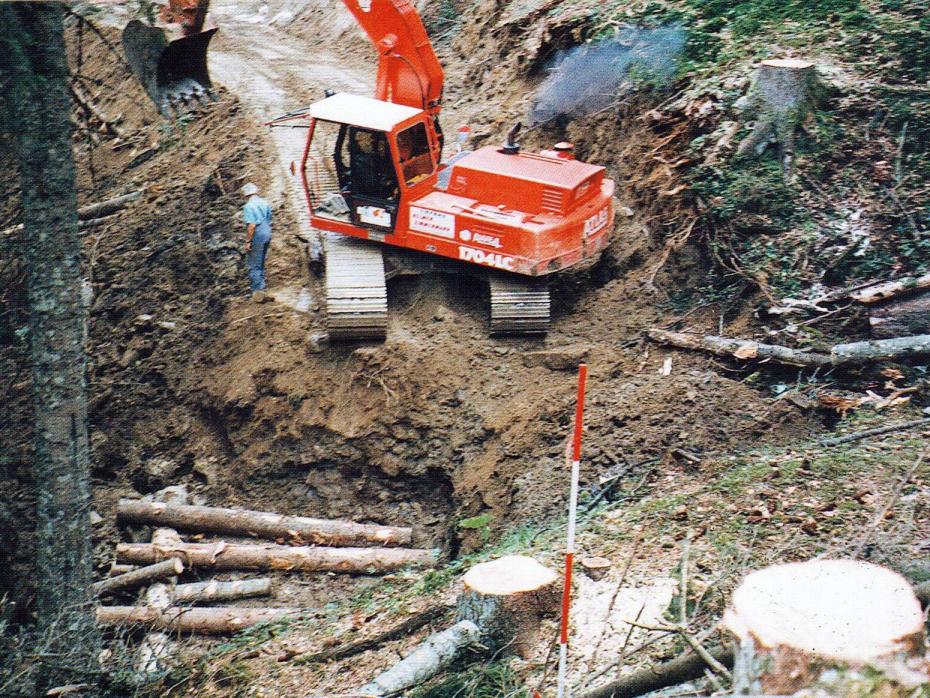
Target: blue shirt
(257, 211)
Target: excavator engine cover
(171, 72)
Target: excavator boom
(408, 71)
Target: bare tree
(34, 78)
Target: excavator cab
(170, 59)
(362, 156)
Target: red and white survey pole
(570, 544)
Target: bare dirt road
(272, 73)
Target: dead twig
(859, 435)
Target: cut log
(140, 576)
(197, 592)
(797, 620)
(507, 599)
(228, 556)
(889, 289)
(902, 318)
(433, 655)
(295, 529)
(780, 99)
(205, 621)
(104, 208)
(839, 355)
(687, 667)
(116, 570)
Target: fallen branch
(138, 577)
(432, 656)
(224, 556)
(857, 436)
(687, 667)
(213, 590)
(104, 208)
(890, 289)
(204, 621)
(839, 355)
(401, 630)
(739, 348)
(295, 529)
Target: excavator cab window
(413, 151)
(370, 169)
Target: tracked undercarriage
(356, 290)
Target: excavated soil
(193, 382)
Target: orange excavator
(372, 170)
(169, 58)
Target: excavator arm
(408, 71)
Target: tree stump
(780, 98)
(797, 621)
(506, 599)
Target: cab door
(368, 178)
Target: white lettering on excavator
(490, 259)
(431, 222)
(596, 222)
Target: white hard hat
(249, 189)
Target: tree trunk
(902, 318)
(204, 621)
(796, 621)
(430, 657)
(198, 592)
(230, 556)
(37, 100)
(780, 99)
(294, 529)
(507, 599)
(140, 576)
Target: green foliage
(753, 191)
(495, 680)
(476, 522)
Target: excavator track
(519, 305)
(356, 289)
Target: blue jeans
(257, 262)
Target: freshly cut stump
(507, 598)
(796, 620)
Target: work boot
(261, 297)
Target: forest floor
(442, 427)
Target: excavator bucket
(174, 72)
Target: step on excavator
(169, 58)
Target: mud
(192, 382)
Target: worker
(257, 216)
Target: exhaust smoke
(589, 77)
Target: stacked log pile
(300, 544)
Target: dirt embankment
(190, 381)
